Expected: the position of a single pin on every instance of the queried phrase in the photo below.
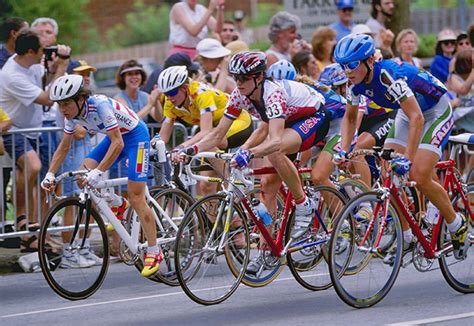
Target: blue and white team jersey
(102, 114)
(335, 103)
(393, 82)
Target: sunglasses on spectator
(347, 9)
(351, 65)
(172, 92)
(463, 43)
(447, 42)
(241, 78)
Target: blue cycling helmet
(282, 69)
(354, 48)
(333, 75)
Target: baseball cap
(180, 59)
(343, 4)
(211, 48)
(446, 35)
(79, 66)
(361, 29)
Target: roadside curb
(8, 260)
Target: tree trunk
(400, 18)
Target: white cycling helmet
(171, 78)
(66, 87)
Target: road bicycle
(88, 212)
(382, 251)
(215, 230)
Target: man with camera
(22, 97)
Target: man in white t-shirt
(382, 11)
(22, 97)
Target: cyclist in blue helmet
(421, 129)
(333, 76)
(282, 69)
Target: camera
(48, 52)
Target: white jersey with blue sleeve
(102, 114)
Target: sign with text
(314, 13)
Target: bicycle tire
(308, 265)
(167, 272)
(273, 266)
(200, 272)
(458, 273)
(67, 282)
(357, 290)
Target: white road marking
(434, 319)
(127, 300)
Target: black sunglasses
(241, 78)
(447, 42)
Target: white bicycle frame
(131, 240)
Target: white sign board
(314, 13)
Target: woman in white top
(407, 44)
(190, 22)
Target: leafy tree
(145, 24)
(72, 24)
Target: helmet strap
(367, 75)
(256, 85)
(80, 108)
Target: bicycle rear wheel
(307, 256)
(378, 266)
(174, 202)
(459, 273)
(63, 248)
(206, 256)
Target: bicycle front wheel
(207, 254)
(307, 256)
(73, 249)
(354, 243)
(459, 273)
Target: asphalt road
(127, 299)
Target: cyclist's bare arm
(415, 126)
(166, 130)
(273, 141)
(348, 126)
(205, 126)
(60, 153)
(115, 148)
(257, 137)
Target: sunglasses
(241, 78)
(347, 9)
(464, 43)
(350, 66)
(172, 92)
(448, 42)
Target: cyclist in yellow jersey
(197, 104)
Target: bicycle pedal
(405, 264)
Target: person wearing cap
(445, 48)
(190, 22)
(343, 27)
(214, 60)
(407, 44)
(283, 32)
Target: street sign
(314, 13)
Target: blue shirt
(440, 67)
(4, 55)
(138, 104)
(335, 104)
(341, 29)
(393, 82)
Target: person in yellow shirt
(197, 104)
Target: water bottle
(432, 214)
(261, 211)
(160, 147)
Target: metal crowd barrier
(180, 133)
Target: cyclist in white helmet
(126, 136)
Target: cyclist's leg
(364, 141)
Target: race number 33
(274, 110)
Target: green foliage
(66, 13)
(426, 48)
(261, 45)
(145, 24)
(265, 11)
